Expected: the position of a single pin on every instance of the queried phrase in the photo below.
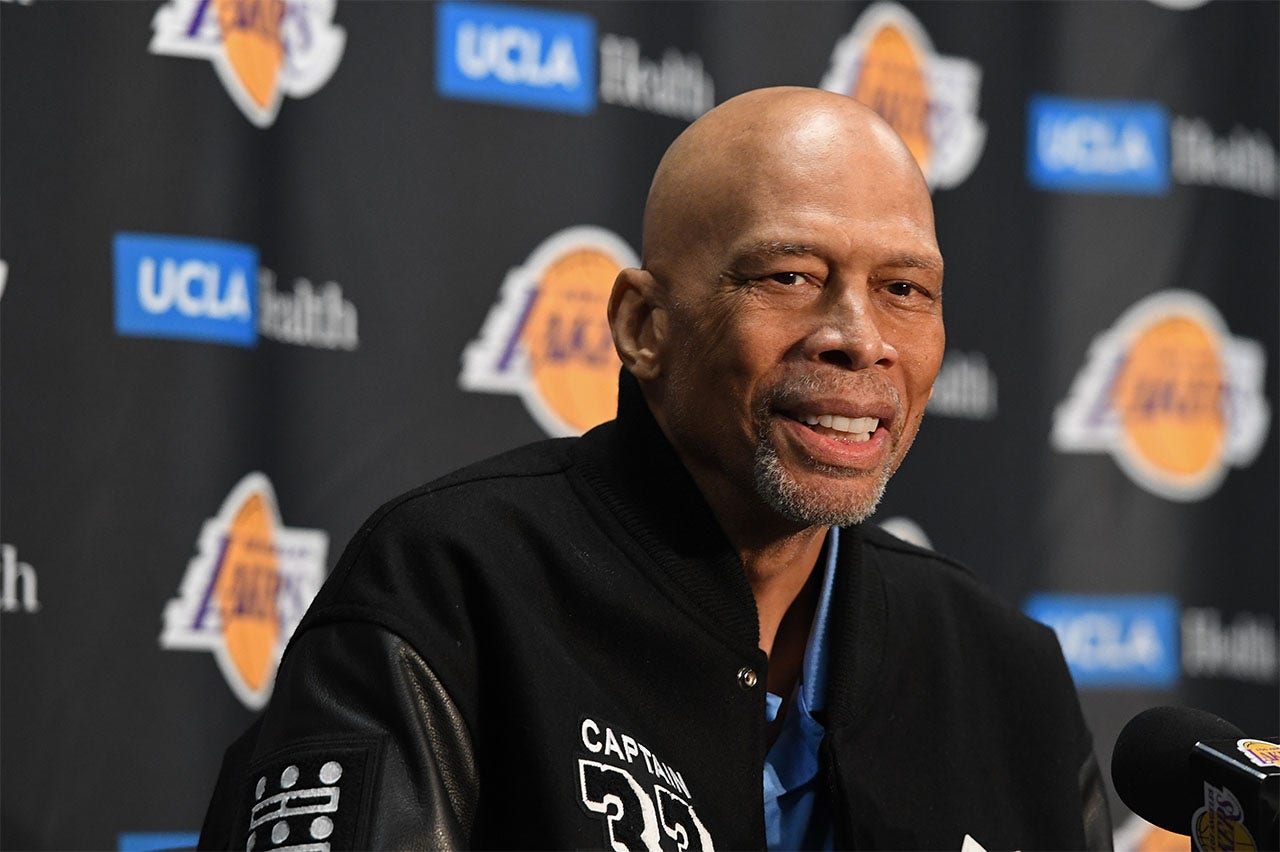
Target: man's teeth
(859, 427)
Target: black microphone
(1191, 772)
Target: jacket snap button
(747, 678)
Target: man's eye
(790, 279)
(902, 288)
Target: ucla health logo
(887, 62)
(1113, 640)
(187, 288)
(261, 49)
(193, 288)
(246, 590)
(1097, 146)
(512, 55)
(1171, 395)
(547, 339)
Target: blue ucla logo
(524, 57)
(189, 288)
(1113, 640)
(1097, 146)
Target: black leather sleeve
(1093, 801)
(361, 747)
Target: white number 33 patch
(633, 819)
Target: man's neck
(785, 585)
(778, 555)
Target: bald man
(676, 632)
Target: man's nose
(848, 332)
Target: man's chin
(818, 496)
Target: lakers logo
(261, 49)
(887, 62)
(893, 83)
(246, 590)
(1171, 395)
(1260, 752)
(254, 49)
(547, 339)
(1219, 825)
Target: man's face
(804, 335)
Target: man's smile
(852, 442)
(855, 429)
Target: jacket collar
(635, 471)
(629, 464)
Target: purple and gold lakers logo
(246, 590)
(1260, 752)
(1171, 395)
(245, 594)
(262, 49)
(893, 83)
(253, 46)
(887, 62)
(1219, 825)
(547, 339)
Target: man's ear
(638, 321)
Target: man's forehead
(802, 153)
(843, 179)
(798, 135)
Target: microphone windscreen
(1151, 764)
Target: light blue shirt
(794, 818)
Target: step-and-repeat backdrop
(269, 262)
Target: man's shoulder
(944, 590)
(415, 562)
(530, 461)
(508, 476)
(452, 522)
(899, 551)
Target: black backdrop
(247, 245)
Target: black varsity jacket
(558, 648)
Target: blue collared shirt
(794, 815)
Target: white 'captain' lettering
(589, 725)
(648, 762)
(599, 739)
(629, 746)
(611, 744)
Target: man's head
(786, 326)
